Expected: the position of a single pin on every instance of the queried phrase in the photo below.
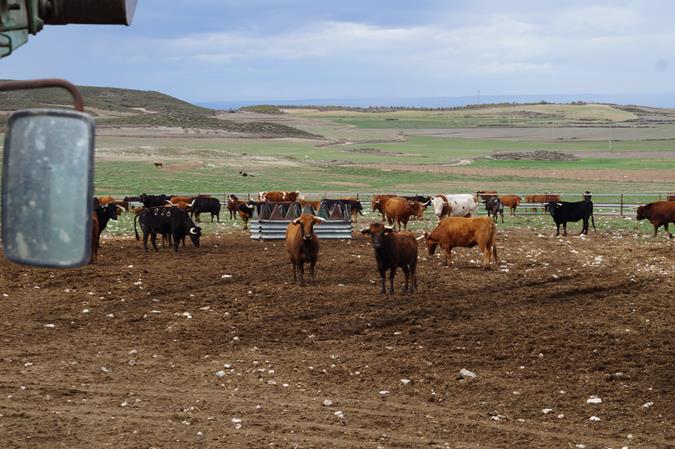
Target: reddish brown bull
(394, 250)
(232, 202)
(399, 210)
(453, 232)
(377, 203)
(302, 245)
(543, 199)
(510, 201)
(659, 213)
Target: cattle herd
(395, 247)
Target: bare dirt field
(214, 348)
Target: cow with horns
(302, 245)
(564, 212)
(455, 205)
(659, 213)
(166, 220)
(394, 250)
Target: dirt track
(125, 354)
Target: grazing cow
(543, 199)
(245, 212)
(166, 220)
(659, 213)
(205, 205)
(394, 250)
(154, 200)
(563, 212)
(159, 165)
(399, 210)
(455, 232)
(485, 195)
(174, 199)
(356, 207)
(103, 200)
(458, 205)
(494, 206)
(510, 201)
(313, 204)
(377, 203)
(302, 245)
(278, 196)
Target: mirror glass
(47, 188)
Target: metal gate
(270, 220)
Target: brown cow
(486, 194)
(659, 213)
(302, 245)
(278, 196)
(245, 212)
(453, 232)
(232, 202)
(177, 199)
(314, 204)
(510, 201)
(670, 197)
(543, 199)
(400, 210)
(377, 203)
(103, 200)
(394, 250)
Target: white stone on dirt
(227, 366)
(594, 400)
(226, 276)
(405, 381)
(466, 374)
(50, 325)
(648, 404)
(339, 414)
(384, 392)
(546, 411)
(327, 402)
(220, 373)
(594, 419)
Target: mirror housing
(47, 186)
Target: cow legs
(392, 272)
(312, 266)
(557, 229)
(565, 229)
(145, 240)
(584, 227)
(413, 274)
(301, 269)
(486, 257)
(153, 239)
(295, 275)
(406, 272)
(383, 278)
(502, 214)
(448, 257)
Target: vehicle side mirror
(47, 186)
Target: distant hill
(657, 100)
(114, 107)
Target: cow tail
(136, 230)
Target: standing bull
(494, 207)
(394, 250)
(659, 213)
(454, 232)
(302, 245)
(510, 201)
(457, 205)
(205, 205)
(399, 210)
(563, 212)
(166, 220)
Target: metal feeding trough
(271, 218)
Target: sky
(220, 50)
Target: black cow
(354, 205)
(425, 200)
(204, 205)
(154, 200)
(562, 212)
(246, 212)
(494, 206)
(104, 214)
(166, 220)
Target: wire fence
(605, 204)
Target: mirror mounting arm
(43, 83)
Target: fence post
(621, 210)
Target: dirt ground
(214, 348)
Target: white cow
(458, 205)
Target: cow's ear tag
(47, 188)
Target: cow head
(195, 232)
(110, 210)
(432, 244)
(416, 208)
(552, 207)
(378, 233)
(641, 212)
(306, 223)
